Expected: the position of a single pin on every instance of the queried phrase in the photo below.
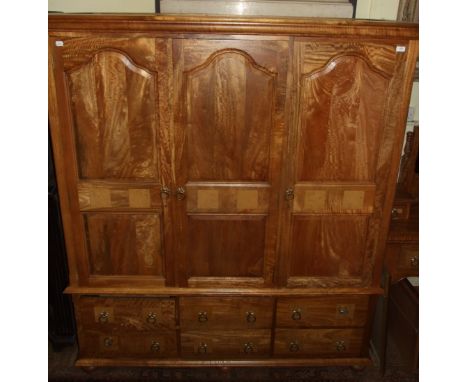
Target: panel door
(229, 133)
(346, 128)
(111, 150)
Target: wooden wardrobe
(226, 183)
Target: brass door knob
(103, 317)
(151, 318)
(340, 346)
(294, 347)
(202, 316)
(202, 348)
(296, 315)
(414, 262)
(248, 347)
(180, 193)
(165, 192)
(289, 194)
(108, 342)
(155, 346)
(250, 317)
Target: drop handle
(289, 194)
(294, 347)
(108, 342)
(180, 193)
(155, 346)
(151, 318)
(340, 346)
(103, 317)
(343, 310)
(248, 347)
(296, 314)
(202, 348)
(250, 317)
(202, 316)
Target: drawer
(101, 344)
(322, 311)
(408, 259)
(218, 344)
(318, 342)
(201, 313)
(140, 314)
(403, 323)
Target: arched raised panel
(114, 110)
(342, 111)
(229, 118)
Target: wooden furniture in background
(396, 308)
(226, 183)
(408, 10)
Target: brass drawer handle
(155, 346)
(340, 346)
(180, 193)
(108, 342)
(250, 317)
(248, 347)
(343, 310)
(103, 317)
(202, 348)
(202, 316)
(294, 347)
(414, 262)
(296, 315)
(151, 318)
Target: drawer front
(201, 313)
(322, 311)
(408, 259)
(142, 314)
(318, 342)
(217, 344)
(101, 344)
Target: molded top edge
(230, 24)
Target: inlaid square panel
(107, 195)
(353, 199)
(208, 199)
(228, 199)
(247, 199)
(315, 199)
(336, 198)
